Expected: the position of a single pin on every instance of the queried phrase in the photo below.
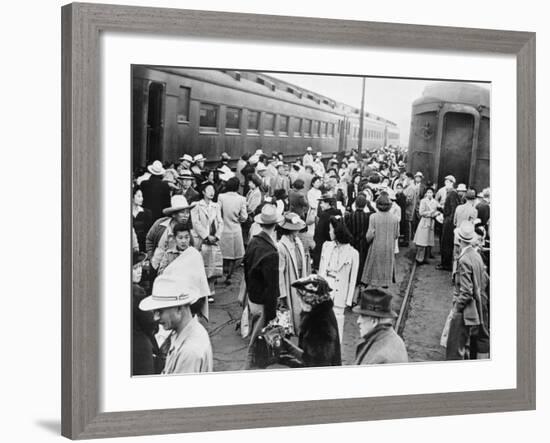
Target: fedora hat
(199, 157)
(375, 302)
(470, 194)
(319, 154)
(186, 174)
(451, 178)
(156, 168)
(268, 216)
(309, 149)
(187, 158)
(461, 188)
(259, 152)
(419, 174)
(292, 222)
(177, 203)
(169, 292)
(466, 232)
(260, 167)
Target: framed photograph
(196, 144)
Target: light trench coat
(425, 232)
(202, 217)
(339, 266)
(289, 273)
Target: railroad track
(400, 323)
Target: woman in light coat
(292, 266)
(383, 231)
(424, 236)
(339, 266)
(233, 207)
(208, 228)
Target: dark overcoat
(156, 195)
(447, 234)
(319, 336)
(144, 328)
(261, 270)
(358, 224)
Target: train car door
(155, 122)
(456, 147)
(341, 136)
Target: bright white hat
(156, 168)
(187, 158)
(462, 188)
(199, 157)
(177, 203)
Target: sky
(390, 98)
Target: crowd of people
(315, 236)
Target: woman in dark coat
(447, 234)
(318, 339)
(142, 217)
(357, 222)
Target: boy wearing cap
(380, 343)
(468, 331)
(261, 273)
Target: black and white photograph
(289, 220)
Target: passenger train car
(178, 110)
(450, 128)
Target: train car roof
(265, 84)
(465, 93)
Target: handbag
(213, 260)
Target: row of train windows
(369, 133)
(282, 124)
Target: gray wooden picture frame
(81, 252)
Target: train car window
(315, 130)
(233, 120)
(295, 126)
(269, 123)
(253, 121)
(307, 127)
(283, 125)
(323, 129)
(183, 105)
(208, 116)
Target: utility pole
(360, 145)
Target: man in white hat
(199, 161)
(469, 328)
(308, 160)
(156, 192)
(441, 194)
(187, 179)
(186, 161)
(318, 166)
(189, 348)
(261, 273)
(179, 212)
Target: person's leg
(420, 254)
(458, 342)
(211, 286)
(340, 318)
(256, 324)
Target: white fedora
(177, 203)
(167, 293)
(269, 216)
(199, 157)
(462, 188)
(187, 158)
(156, 168)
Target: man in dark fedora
(261, 273)
(380, 343)
(469, 328)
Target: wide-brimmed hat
(167, 293)
(461, 188)
(292, 222)
(466, 232)
(187, 158)
(156, 168)
(375, 302)
(268, 216)
(186, 174)
(259, 152)
(327, 198)
(419, 174)
(451, 178)
(138, 257)
(470, 194)
(313, 289)
(177, 203)
(199, 157)
(260, 167)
